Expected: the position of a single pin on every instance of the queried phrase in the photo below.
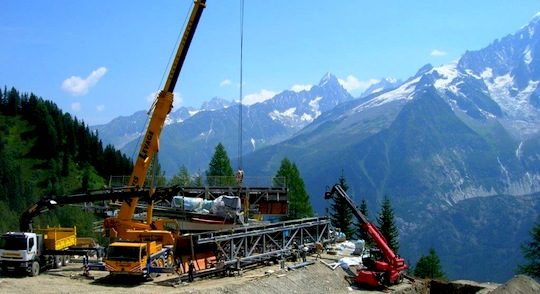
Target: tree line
(44, 151)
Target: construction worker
(304, 253)
(296, 251)
(319, 248)
(191, 268)
(239, 177)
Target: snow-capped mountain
(498, 82)
(124, 129)
(381, 86)
(215, 103)
(179, 115)
(510, 70)
(190, 135)
(296, 109)
(275, 119)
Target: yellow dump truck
(34, 252)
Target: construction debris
(332, 265)
(300, 265)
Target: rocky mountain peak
(381, 86)
(329, 80)
(215, 104)
(424, 69)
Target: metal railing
(216, 181)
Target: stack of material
(222, 205)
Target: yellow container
(58, 238)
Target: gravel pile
(519, 284)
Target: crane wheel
(170, 261)
(161, 262)
(158, 262)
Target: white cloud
(225, 82)
(151, 97)
(76, 106)
(352, 83)
(100, 107)
(437, 53)
(177, 99)
(78, 86)
(300, 88)
(258, 97)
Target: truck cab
(137, 258)
(18, 251)
(126, 258)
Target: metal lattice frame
(243, 246)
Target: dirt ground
(315, 278)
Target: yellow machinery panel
(154, 247)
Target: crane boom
(162, 107)
(181, 53)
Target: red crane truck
(387, 270)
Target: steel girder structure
(243, 246)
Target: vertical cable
(240, 129)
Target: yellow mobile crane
(145, 248)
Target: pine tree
(155, 176)
(182, 178)
(429, 266)
(361, 233)
(220, 171)
(13, 102)
(387, 226)
(46, 145)
(341, 213)
(531, 252)
(197, 179)
(299, 202)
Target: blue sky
(102, 59)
